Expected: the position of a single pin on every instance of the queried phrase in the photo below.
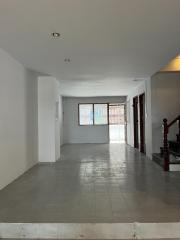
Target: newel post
(179, 128)
(165, 142)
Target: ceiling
(109, 42)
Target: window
(100, 114)
(93, 114)
(86, 114)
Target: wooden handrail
(165, 148)
(175, 120)
(165, 140)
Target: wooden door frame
(136, 121)
(142, 122)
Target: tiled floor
(94, 183)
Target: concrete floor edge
(90, 230)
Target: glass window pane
(86, 114)
(100, 114)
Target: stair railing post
(179, 128)
(165, 142)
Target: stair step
(174, 153)
(158, 159)
(174, 147)
(174, 142)
(174, 164)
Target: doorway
(135, 120)
(116, 115)
(142, 122)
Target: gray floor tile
(94, 183)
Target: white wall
(165, 104)
(48, 119)
(73, 133)
(18, 119)
(144, 87)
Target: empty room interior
(90, 119)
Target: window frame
(81, 125)
(79, 114)
(102, 124)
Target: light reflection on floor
(94, 183)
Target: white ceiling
(109, 42)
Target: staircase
(169, 156)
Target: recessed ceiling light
(67, 60)
(137, 79)
(55, 34)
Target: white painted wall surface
(57, 119)
(18, 119)
(144, 87)
(73, 133)
(165, 104)
(48, 119)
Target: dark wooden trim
(165, 148)
(175, 120)
(136, 123)
(142, 121)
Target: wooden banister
(165, 148)
(174, 121)
(165, 140)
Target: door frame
(136, 121)
(125, 121)
(142, 122)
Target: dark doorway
(135, 114)
(142, 122)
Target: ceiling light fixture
(55, 34)
(67, 60)
(137, 79)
